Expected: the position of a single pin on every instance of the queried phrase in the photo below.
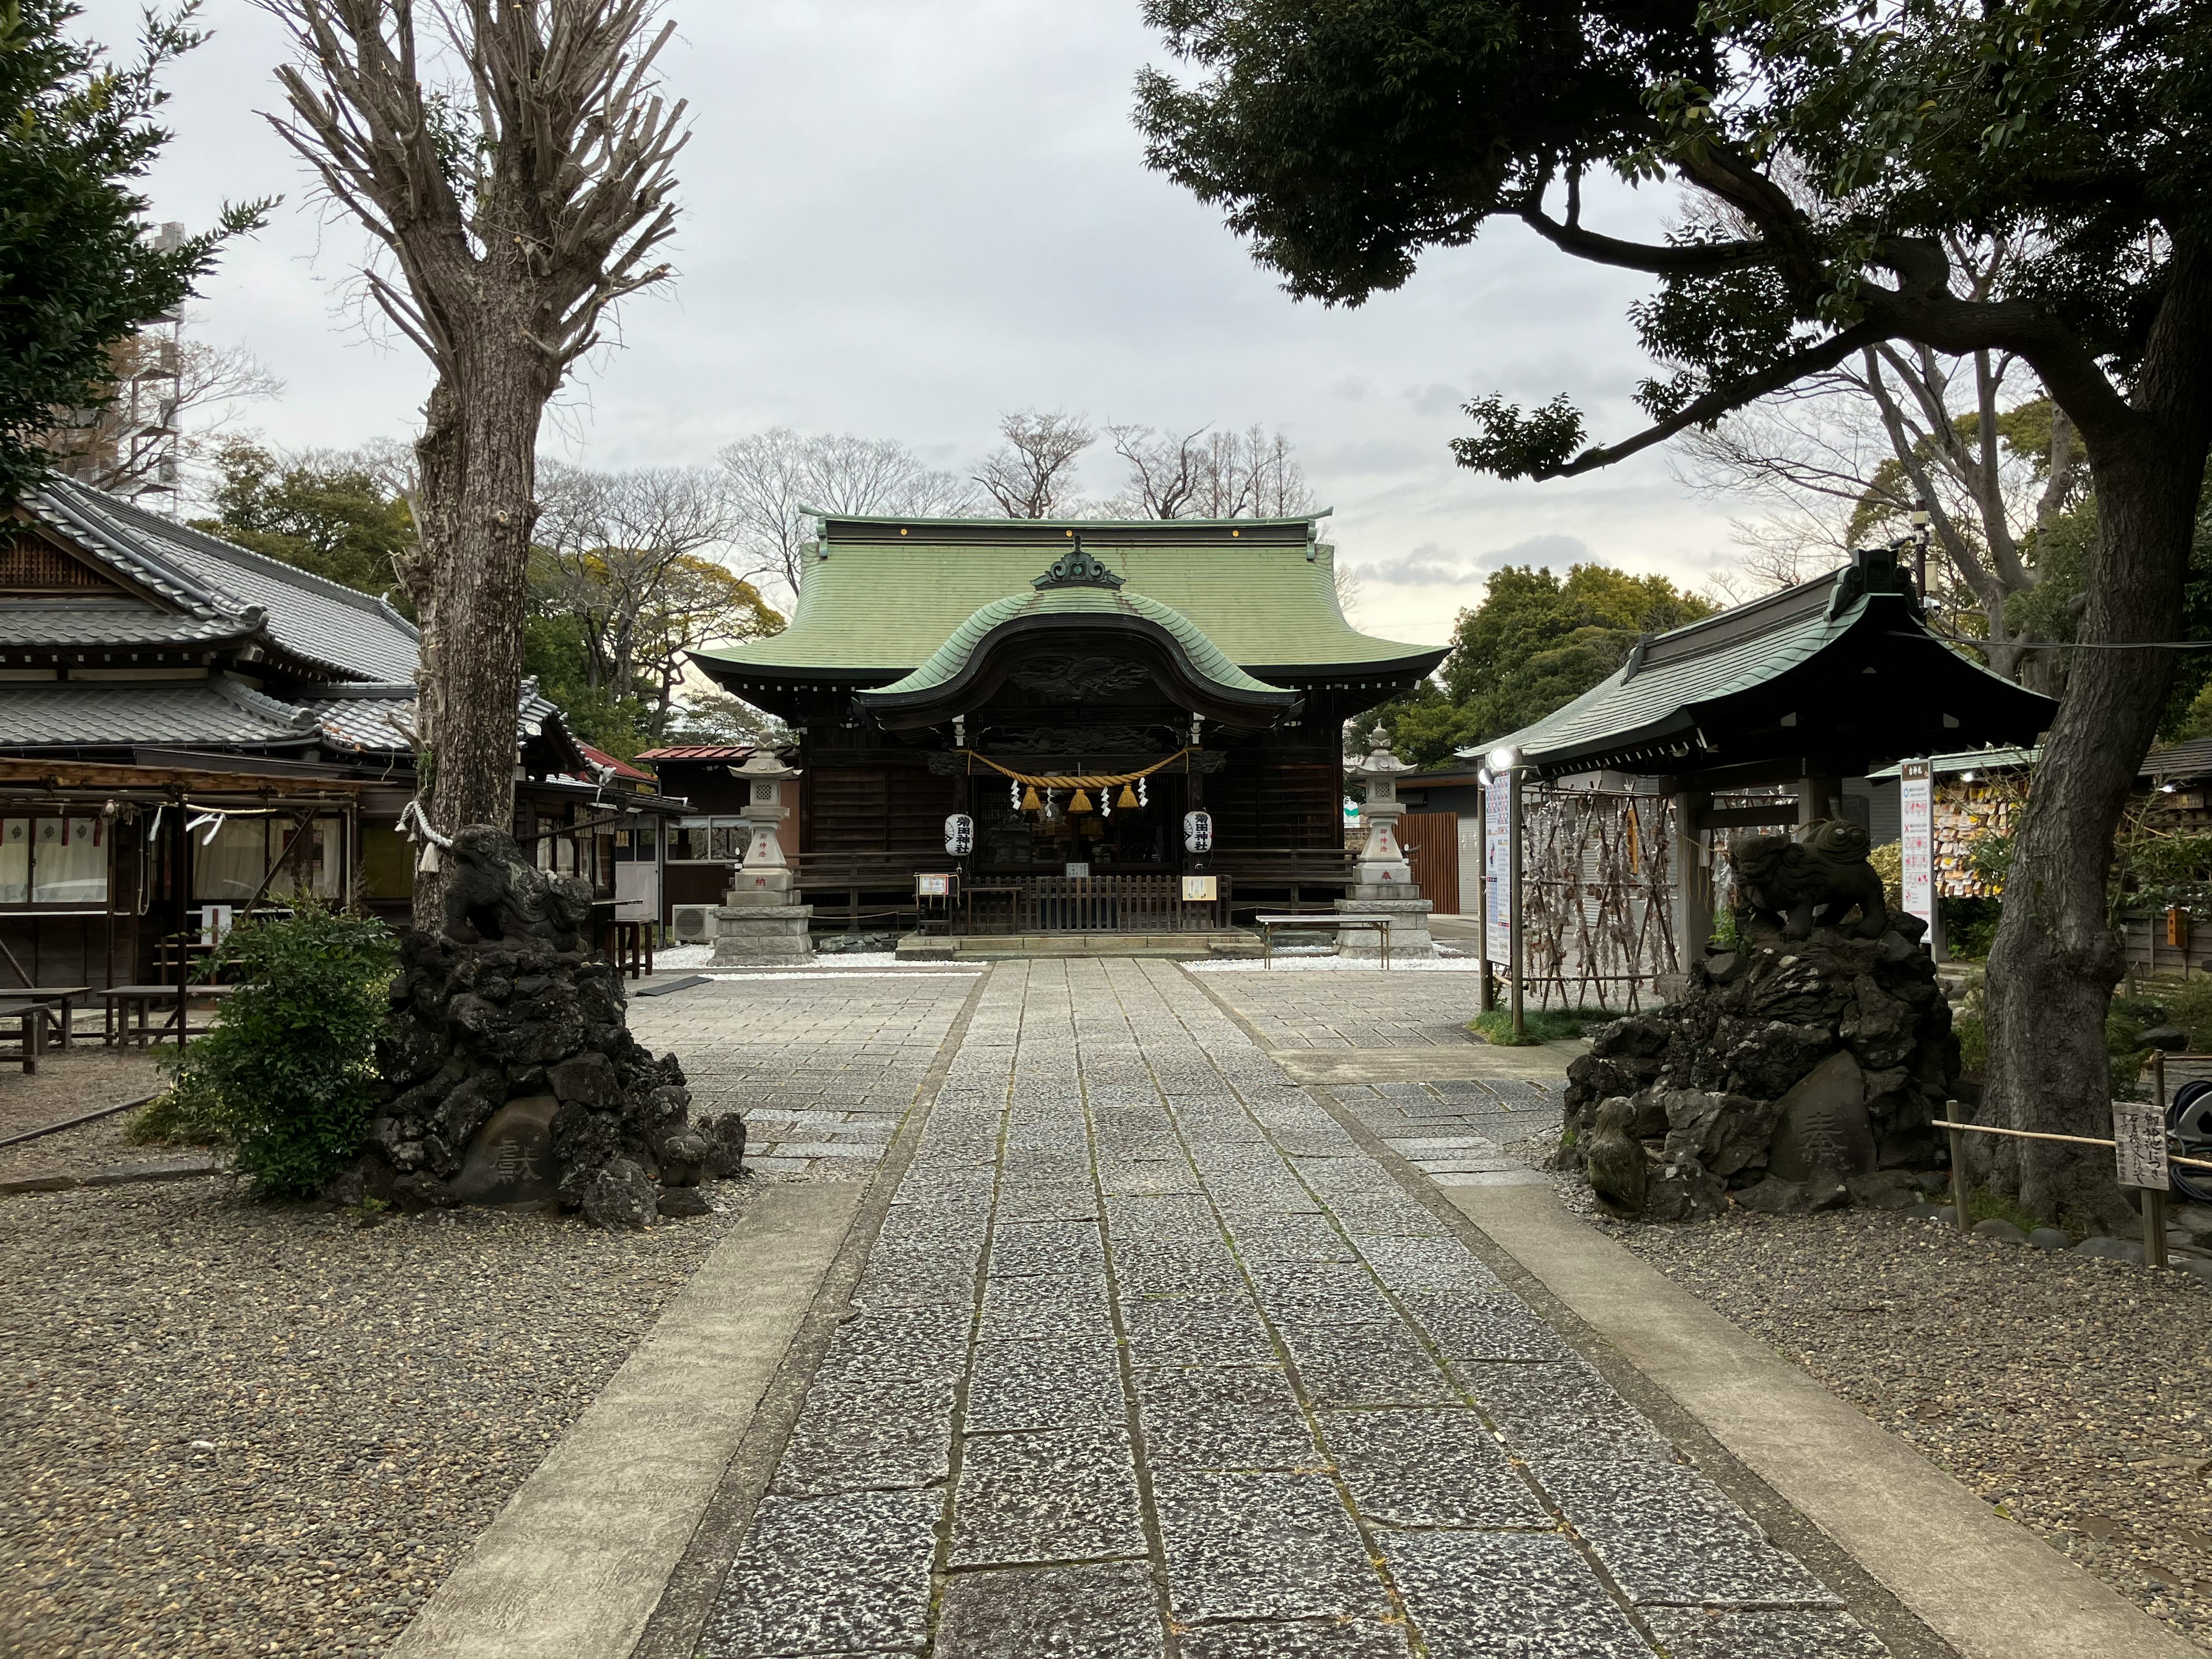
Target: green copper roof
(881, 596)
(949, 659)
(1850, 646)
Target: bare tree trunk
(2056, 956)
(478, 458)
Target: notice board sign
(929, 886)
(1199, 889)
(1916, 804)
(2139, 1138)
(1498, 873)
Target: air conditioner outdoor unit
(695, 923)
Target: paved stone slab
(1303, 1638)
(1734, 1633)
(1365, 1366)
(1056, 1495)
(1195, 1330)
(1669, 1535)
(829, 1575)
(1508, 1595)
(1224, 1417)
(1251, 1546)
(1107, 1611)
(1429, 1468)
(1050, 1382)
(856, 1434)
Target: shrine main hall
(1110, 705)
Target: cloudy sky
(904, 217)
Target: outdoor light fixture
(1504, 758)
(1968, 775)
(1482, 776)
(2166, 788)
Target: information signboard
(1916, 804)
(1498, 873)
(1199, 889)
(2139, 1148)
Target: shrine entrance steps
(1001, 947)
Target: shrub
(2190, 1008)
(1538, 1024)
(183, 1117)
(287, 1076)
(1889, 862)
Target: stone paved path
(823, 1067)
(1152, 1359)
(1351, 1010)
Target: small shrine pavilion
(1067, 718)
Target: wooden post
(1693, 893)
(1958, 1169)
(2154, 1225)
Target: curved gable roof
(878, 597)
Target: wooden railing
(1102, 904)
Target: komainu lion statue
(493, 893)
(1819, 873)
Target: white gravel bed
(2074, 1394)
(237, 1428)
(1288, 962)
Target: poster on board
(1498, 873)
(1917, 805)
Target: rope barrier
(2070, 1140)
(1083, 780)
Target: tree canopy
(326, 514)
(1345, 139)
(1535, 643)
(1844, 155)
(77, 270)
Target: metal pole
(1513, 860)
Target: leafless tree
(775, 477)
(612, 544)
(1208, 475)
(1350, 587)
(174, 399)
(1032, 474)
(511, 206)
(1842, 457)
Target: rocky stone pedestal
(511, 1077)
(1409, 923)
(1791, 1074)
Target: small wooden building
(189, 729)
(1077, 691)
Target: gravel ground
(235, 1428)
(67, 1085)
(2074, 1394)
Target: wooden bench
(129, 1008)
(1324, 919)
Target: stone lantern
(1383, 880)
(756, 922)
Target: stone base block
(926, 947)
(1409, 925)
(763, 935)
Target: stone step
(998, 947)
